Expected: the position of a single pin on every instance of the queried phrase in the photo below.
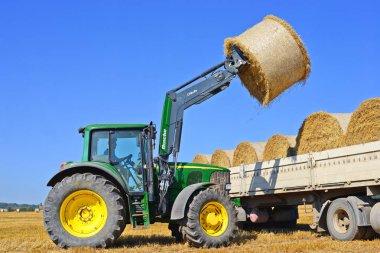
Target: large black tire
(342, 223)
(193, 230)
(114, 223)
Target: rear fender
(91, 168)
(362, 208)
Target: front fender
(179, 206)
(106, 171)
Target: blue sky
(66, 64)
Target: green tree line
(13, 206)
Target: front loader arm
(188, 94)
(177, 101)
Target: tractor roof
(110, 126)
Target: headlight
(220, 177)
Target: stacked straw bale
(279, 146)
(321, 131)
(200, 158)
(248, 153)
(364, 125)
(222, 158)
(276, 58)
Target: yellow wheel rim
(214, 218)
(83, 213)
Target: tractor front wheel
(211, 220)
(84, 210)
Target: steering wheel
(126, 160)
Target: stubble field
(24, 232)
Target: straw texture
(321, 131)
(277, 58)
(364, 125)
(222, 158)
(200, 158)
(279, 146)
(248, 153)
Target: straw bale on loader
(276, 58)
(364, 125)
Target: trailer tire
(342, 222)
(375, 217)
(84, 210)
(211, 220)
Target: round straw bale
(279, 146)
(248, 153)
(222, 158)
(276, 58)
(200, 158)
(321, 131)
(364, 125)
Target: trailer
(342, 185)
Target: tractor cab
(126, 150)
(122, 149)
(122, 146)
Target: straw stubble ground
(24, 232)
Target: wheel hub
(341, 221)
(83, 213)
(213, 218)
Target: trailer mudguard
(362, 209)
(180, 203)
(91, 168)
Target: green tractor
(119, 182)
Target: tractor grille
(220, 177)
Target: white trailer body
(348, 174)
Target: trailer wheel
(375, 217)
(342, 223)
(84, 210)
(211, 220)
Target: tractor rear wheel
(84, 210)
(211, 220)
